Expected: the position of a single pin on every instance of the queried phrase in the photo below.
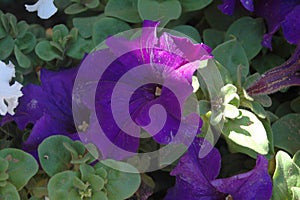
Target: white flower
(44, 8)
(9, 94)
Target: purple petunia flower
(278, 78)
(196, 178)
(134, 77)
(277, 13)
(48, 107)
(228, 6)
(280, 13)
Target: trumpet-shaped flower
(145, 68)
(9, 94)
(196, 178)
(45, 8)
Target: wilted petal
(280, 77)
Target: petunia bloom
(45, 8)
(228, 6)
(139, 76)
(196, 178)
(280, 13)
(9, 94)
(48, 107)
(278, 78)
(277, 13)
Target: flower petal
(193, 174)
(290, 26)
(255, 184)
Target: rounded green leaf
(162, 11)
(296, 193)
(286, 133)
(248, 132)
(6, 47)
(91, 3)
(3, 165)
(249, 32)
(192, 5)
(263, 63)
(120, 184)
(125, 10)
(75, 9)
(85, 25)
(231, 55)
(9, 192)
(53, 156)
(22, 59)
(189, 31)
(22, 166)
(26, 43)
(213, 37)
(106, 27)
(46, 52)
(60, 186)
(286, 176)
(295, 105)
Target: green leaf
(124, 10)
(26, 43)
(213, 37)
(286, 133)
(22, 166)
(248, 132)
(296, 193)
(162, 11)
(295, 105)
(91, 3)
(187, 30)
(6, 47)
(22, 28)
(106, 27)
(283, 109)
(120, 184)
(75, 9)
(285, 177)
(53, 156)
(231, 54)
(263, 63)
(3, 165)
(79, 47)
(85, 25)
(192, 5)
(218, 20)
(60, 186)
(249, 32)
(9, 192)
(2, 32)
(45, 51)
(22, 59)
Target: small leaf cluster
(62, 47)
(16, 169)
(67, 163)
(17, 43)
